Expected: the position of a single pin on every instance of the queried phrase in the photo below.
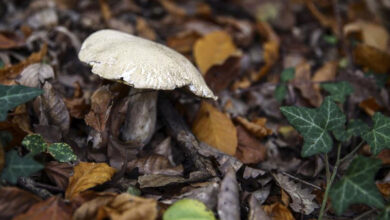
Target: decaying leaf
(14, 201)
(325, 20)
(228, 197)
(278, 211)
(213, 49)
(35, 75)
(101, 103)
(155, 164)
(250, 150)
(117, 207)
(256, 127)
(302, 199)
(87, 175)
(59, 173)
(370, 106)
(52, 208)
(304, 83)
(215, 128)
(384, 189)
(256, 212)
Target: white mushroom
(146, 66)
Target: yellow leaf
(87, 175)
(215, 128)
(212, 49)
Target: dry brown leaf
(303, 82)
(172, 8)
(14, 201)
(215, 128)
(129, 207)
(184, 41)
(87, 175)
(278, 212)
(326, 73)
(22, 119)
(10, 40)
(8, 74)
(35, 75)
(384, 188)
(101, 103)
(59, 173)
(249, 150)
(105, 10)
(384, 156)
(271, 49)
(77, 105)
(256, 127)
(372, 58)
(155, 164)
(219, 77)
(52, 208)
(144, 30)
(213, 49)
(89, 202)
(373, 35)
(241, 84)
(326, 21)
(370, 106)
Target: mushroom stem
(141, 117)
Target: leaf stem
(350, 154)
(329, 180)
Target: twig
(302, 181)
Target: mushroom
(146, 66)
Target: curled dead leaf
(213, 49)
(155, 164)
(256, 127)
(101, 103)
(215, 128)
(384, 188)
(304, 83)
(87, 175)
(59, 173)
(370, 106)
(326, 73)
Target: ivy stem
(329, 180)
(350, 154)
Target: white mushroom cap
(140, 63)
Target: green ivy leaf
(357, 186)
(357, 127)
(379, 136)
(12, 96)
(314, 124)
(5, 138)
(61, 152)
(186, 209)
(280, 92)
(338, 90)
(19, 166)
(287, 74)
(34, 143)
(385, 214)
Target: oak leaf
(215, 128)
(87, 175)
(212, 49)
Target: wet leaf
(88, 175)
(52, 208)
(188, 209)
(14, 201)
(302, 199)
(357, 186)
(215, 128)
(314, 124)
(213, 49)
(338, 90)
(12, 96)
(17, 166)
(379, 136)
(61, 152)
(228, 197)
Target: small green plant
(323, 126)
(17, 166)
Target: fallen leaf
(304, 83)
(228, 197)
(87, 175)
(14, 201)
(89, 203)
(219, 77)
(302, 199)
(325, 20)
(256, 212)
(384, 188)
(326, 73)
(249, 150)
(213, 49)
(52, 208)
(370, 57)
(372, 34)
(278, 211)
(144, 30)
(384, 155)
(9, 40)
(101, 103)
(105, 10)
(188, 209)
(8, 74)
(256, 127)
(59, 173)
(183, 42)
(35, 75)
(77, 105)
(22, 119)
(215, 128)
(172, 8)
(155, 164)
(370, 106)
